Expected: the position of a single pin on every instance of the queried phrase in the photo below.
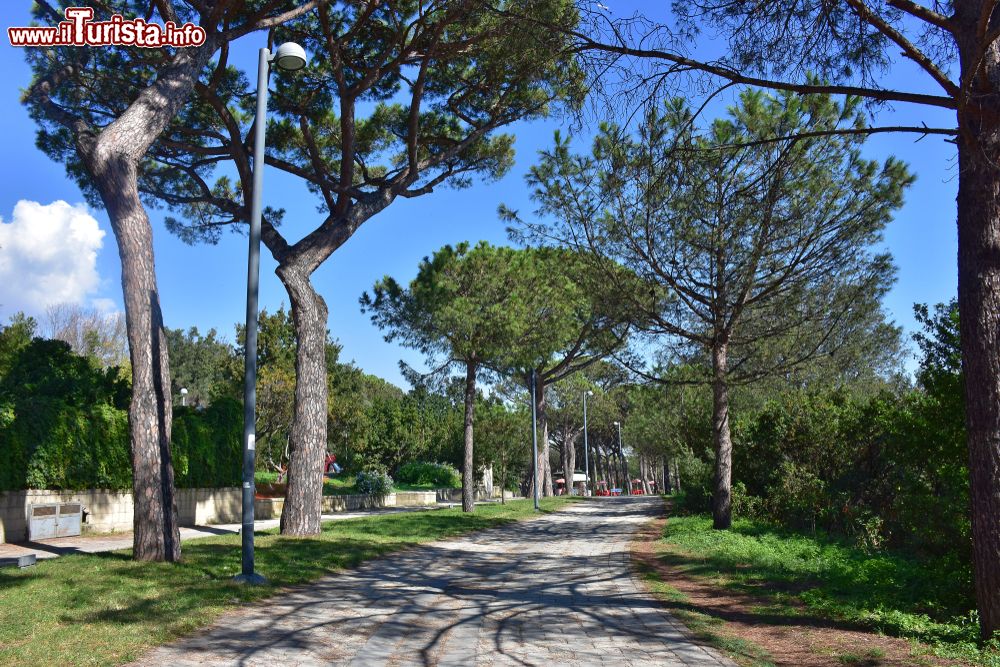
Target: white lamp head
(617, 423)
(289, 57)
(590, 392)
(184, 391)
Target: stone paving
(551, 591)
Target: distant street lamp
(586, 447)
(289, 57)
(184, 396)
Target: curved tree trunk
(544, 466)
(112, 160)
(722, 515)
(569, 462)
(304, 498)
(468, 470)
(155, 524)
(979, 316)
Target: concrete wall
(111, 511)
(415, 498)
(455, 495)
(270, 508)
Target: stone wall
(111, 511)
(455, 495)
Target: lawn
(924, 600)
(88, 609)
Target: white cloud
(104, 305)
(48, 256)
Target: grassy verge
(88, 609)
(703, 626)
(921, 600)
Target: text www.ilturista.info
(79, 29)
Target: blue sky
(204, 286)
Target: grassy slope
(106, 609)
(888, 593)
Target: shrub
(374, 482)
(207, 445)
(439, 474)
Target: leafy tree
(758, 252)
(466, 306)
(276, 345)
(849, 48)
(401, 97)
(202, 364)
(503, 441)
(98, 112)
(577, 322)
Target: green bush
(374, 483)
(207, 445)
(438, 474)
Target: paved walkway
(114, 541)
(551, 591)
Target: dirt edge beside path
(754, 630)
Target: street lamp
(586, 447)
(289, 57)
(184, 396)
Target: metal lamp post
(289, 57)
(586, 447)
(184, 396)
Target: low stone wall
(270, 508)
(455, 495)
(111, 511)
(355, 502)
(415, 498)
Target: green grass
(85, 609)
(704, 627)
(924, 600)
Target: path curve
(556, 590)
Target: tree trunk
(112, 161)
(677, 474)
(979, 309)
(569, 463)
(544, 466)
(644, 469)
(722, 515)
(468, 471)
(304, 497)
(155, 524)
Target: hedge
(47, 443)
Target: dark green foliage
(64, 423)
(437, 474)
(883, 465)
(202, 364)
(925, 599)
(207, 445)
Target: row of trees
(438, 80)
